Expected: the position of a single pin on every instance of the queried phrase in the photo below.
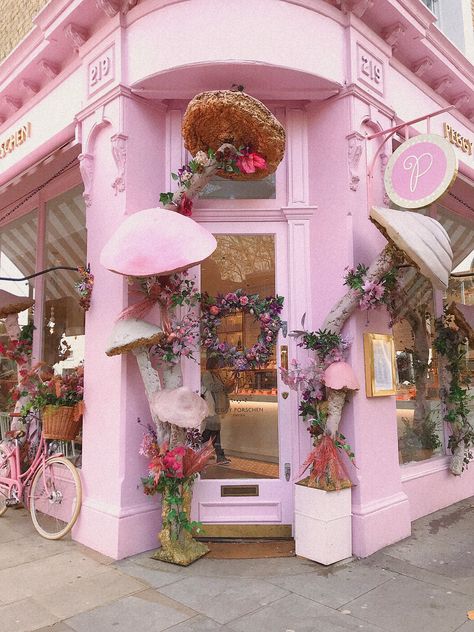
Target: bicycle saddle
(15, 434)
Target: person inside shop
(214, 391)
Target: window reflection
(63, 333)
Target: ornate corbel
(354, 153)
(442, 84)
(76, 35)
(86, 167)
(112, 7)
(357, 7)
(393, 33)
(119, 152)
(48, 69)
(422, 65)
(460, 100)
(29, 87)
(12, 103)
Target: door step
(250, 549)
(239, 531)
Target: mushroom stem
(336, 400)
(343, 309)
(199, 180)
(152, 383)
(457, 460)
(12, 327)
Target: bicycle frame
(18, 481)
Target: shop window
(17, 259)
(419, 422)
(65, 245)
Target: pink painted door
(249, 479)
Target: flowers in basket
(58, 398)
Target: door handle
(284, 357)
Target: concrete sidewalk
(425, 583)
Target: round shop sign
(420, 171)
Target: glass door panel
(245, 425)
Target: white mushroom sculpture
(10, 306)
(154, 242)
(414, 239)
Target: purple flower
(231, 297)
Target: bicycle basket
(61, 422)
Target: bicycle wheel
(55, 499)
(5, 472)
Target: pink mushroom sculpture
(156, 242)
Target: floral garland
(373, 294)
(84, 287)
(450, 342)
(266, 311)
(243, 160)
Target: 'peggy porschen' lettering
(418, 170)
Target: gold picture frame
(380, 370)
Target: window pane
(420, 428)
(17, 259)
(222, 189)
(248, 431)
(63, 336)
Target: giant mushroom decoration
(414, 239)
(10, 306)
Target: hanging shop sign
(420, 171)
(455, 138)
(14, 140)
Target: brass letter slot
(284, 357)
(239, 490)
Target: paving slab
(298, 614)
(143, 613)
(335, 586)
(87, 593)
(56, 627)
(412, 606)
(46, 575)
(198, 624)
(223, 598)
(152, 576)
(24, 616)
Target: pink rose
(244, 300)
(214, 310)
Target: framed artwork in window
(380, 373)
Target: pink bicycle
(50, 487)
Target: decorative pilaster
(119, 152)
(354, 152)
(297, 157)
(86, 167)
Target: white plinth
(323, 524)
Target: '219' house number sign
(101, 71)
(420, 171)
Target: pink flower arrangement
(250, 162)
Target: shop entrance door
(247, 489)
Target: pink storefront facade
(107, 82)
